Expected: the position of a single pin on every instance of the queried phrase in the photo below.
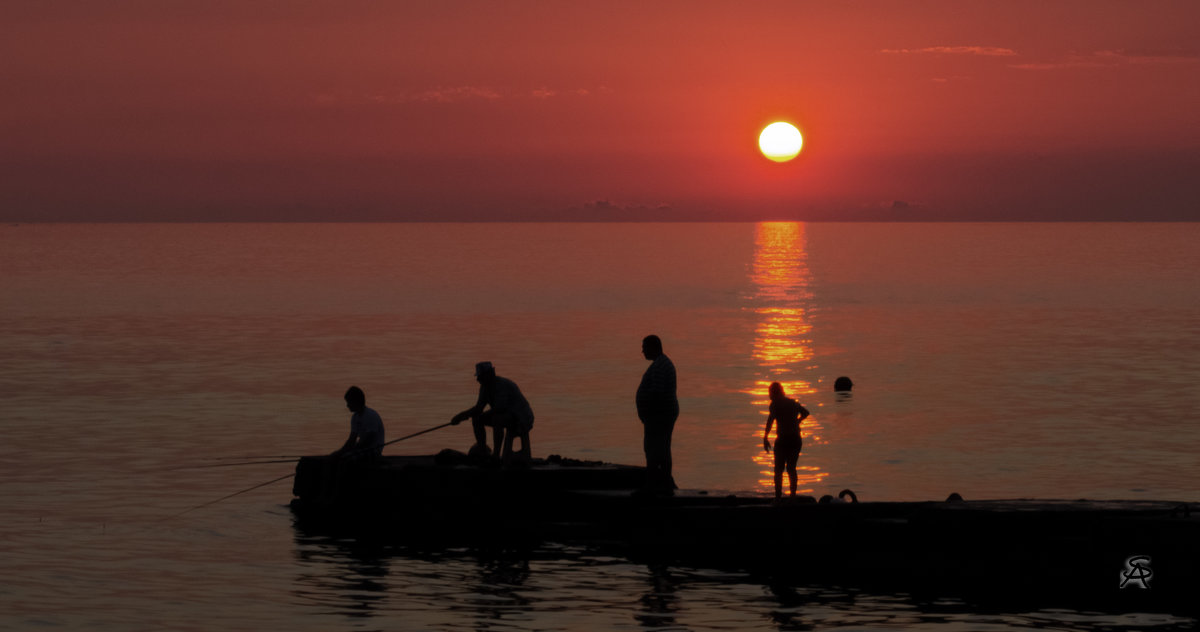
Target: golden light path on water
(782, 347)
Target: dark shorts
(787, 448)
(505, 420)
(656, 441)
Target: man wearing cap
(509, 410)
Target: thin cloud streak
(1112, 58)
(451, 94)
(982, 51)
(457, 93)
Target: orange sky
(350, 110)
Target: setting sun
(780, 141)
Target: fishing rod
(284, 458)
(410, 436)
(448, 423)
(276, 480)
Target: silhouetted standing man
(658, 408)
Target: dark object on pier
(841, 497)
(424, 490)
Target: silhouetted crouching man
(366, 429)
(509, 414)
(658, 408)
(789, 413)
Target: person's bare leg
(497, 440)
(509, 436)
(480, 433)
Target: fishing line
(213, 502)
(250, 489)
(256, 456)
(200, 467)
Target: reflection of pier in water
(782, 349)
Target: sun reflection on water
(782, 346)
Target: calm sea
(992, 360)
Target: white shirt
(368, 425)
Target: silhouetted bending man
(508, 414)
(658, 408)
(789, 413)
(366, 428)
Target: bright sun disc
(780, 141)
